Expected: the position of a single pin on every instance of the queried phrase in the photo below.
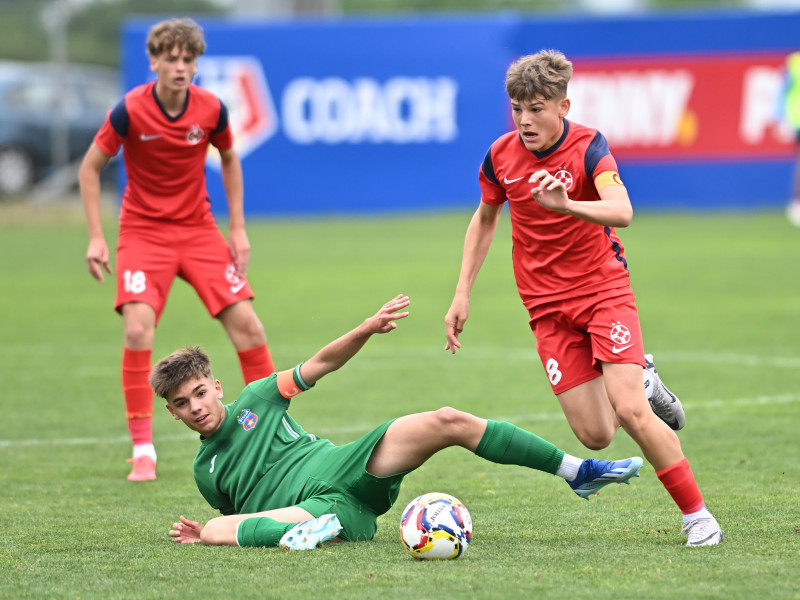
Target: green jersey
(259, 458)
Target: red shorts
(151, 255)
(574, 336)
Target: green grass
(719, 297)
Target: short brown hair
(179, 367)
(545, 74)
(183, 33)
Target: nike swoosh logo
(235, 288)
(506, 180)
(147, 138)
(617, 350)
(213, 460)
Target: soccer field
(719, 298)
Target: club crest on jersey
(565, 177)
(195, 134)
(620, 334)
(247, 419)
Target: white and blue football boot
(312, 533)
(594, 474)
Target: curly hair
(545, 74)
(186, 34)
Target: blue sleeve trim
(119, 119)
(222, 122)
(598, 148)
(488, 168)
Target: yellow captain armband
(607, 178)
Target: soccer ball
(436, 526)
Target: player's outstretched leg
(703, 531)
(663, 402)
(311, 534)
(594, 474)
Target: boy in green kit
(276, 484)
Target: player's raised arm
(339, 351)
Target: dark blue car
(49, 115)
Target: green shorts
(342, 486)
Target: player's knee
(632, 417)
(448, 420)
(254, 330)
(594, 438)
(243, 325)
(138, 336)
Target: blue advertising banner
(344, 116)
(392, 115)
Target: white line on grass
(526, 418)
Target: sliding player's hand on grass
(186, 532)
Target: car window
(101, 96)
(40, 96)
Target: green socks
(261, 531)
(507, 444)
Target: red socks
(256, 363)
(679, 482)
(138, 394)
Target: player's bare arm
(613, 209)
(477, 241)
(232, 179)
(97, 256)
(339, 351)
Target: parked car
(33, 96)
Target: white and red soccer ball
(436, 526)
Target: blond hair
(544, 74)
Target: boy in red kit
(565, 197)
(166, 225)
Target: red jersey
(164, 155)
(556, 256)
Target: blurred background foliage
(93, 26)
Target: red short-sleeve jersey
(164, 155)
(556, 256)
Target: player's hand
(186, 532)
(384, 320)
(549, 191)
(239, 246)
(454, 322)
(97, 259)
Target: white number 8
(552, 371)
